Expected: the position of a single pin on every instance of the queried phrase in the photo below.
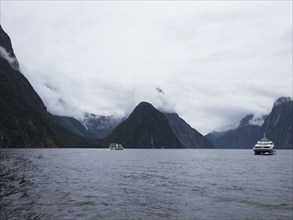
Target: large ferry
(264, 146)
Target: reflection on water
(145, 184)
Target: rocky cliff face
(71, 124)
(189, 137)
(279, 124)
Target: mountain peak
(144, 105)
(282, 100)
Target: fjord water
(145, 184)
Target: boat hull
(264, 151)
(116, 148)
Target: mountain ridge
(278, 126)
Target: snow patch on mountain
(91, 120)
(98, 125)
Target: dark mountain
(279, 124)
(6, 50)
(243, 137)
(189, 137)
(278, 127)
(24, 120)
(71, 124)
(146, 127)
(98, 127)
(5, 42)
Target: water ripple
(144, 184)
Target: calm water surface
(145, 184)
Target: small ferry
(264, 146)
(116, 146)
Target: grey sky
(215, 61)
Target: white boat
(264, 146)
(116, 146)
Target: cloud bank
(7, 56)
(215, 61)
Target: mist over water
(145, 184)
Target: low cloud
(212, 63)
(7, 56)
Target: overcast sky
(214, 61)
